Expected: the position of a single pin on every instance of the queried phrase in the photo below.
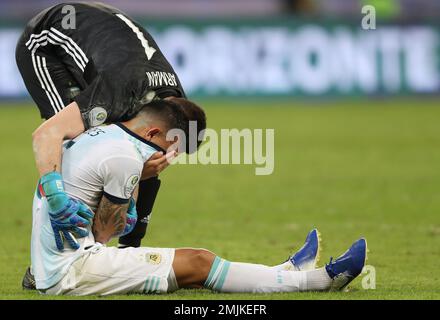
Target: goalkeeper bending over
(106, 180)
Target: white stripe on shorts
(55, 37)
(44, 84)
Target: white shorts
(109, 270)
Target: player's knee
(201, 260)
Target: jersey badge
(153, 258)
(97, 116)
(131, 185)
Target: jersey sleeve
(108, 98)
(95, 101)
(121, 175)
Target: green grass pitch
(354, 168)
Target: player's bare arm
(47, 139)
(109, 220)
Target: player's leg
(109, 270)
(148, 190)
(188, 260)
(190, 269)
(201, 268)
(46, 77)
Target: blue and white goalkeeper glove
(131, 217)
(67, 215)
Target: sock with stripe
(226, 276)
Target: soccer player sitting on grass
(102, 168)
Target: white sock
(228, 276)
(286, 266)
(318, 280)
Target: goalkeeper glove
(131, 217)
(67, 215)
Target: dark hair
(167, 112)
(193, 113)
(177, 113)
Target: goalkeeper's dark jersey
(114, 60)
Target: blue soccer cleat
(307, 257)
(348, 266)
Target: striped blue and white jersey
(103, 160)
